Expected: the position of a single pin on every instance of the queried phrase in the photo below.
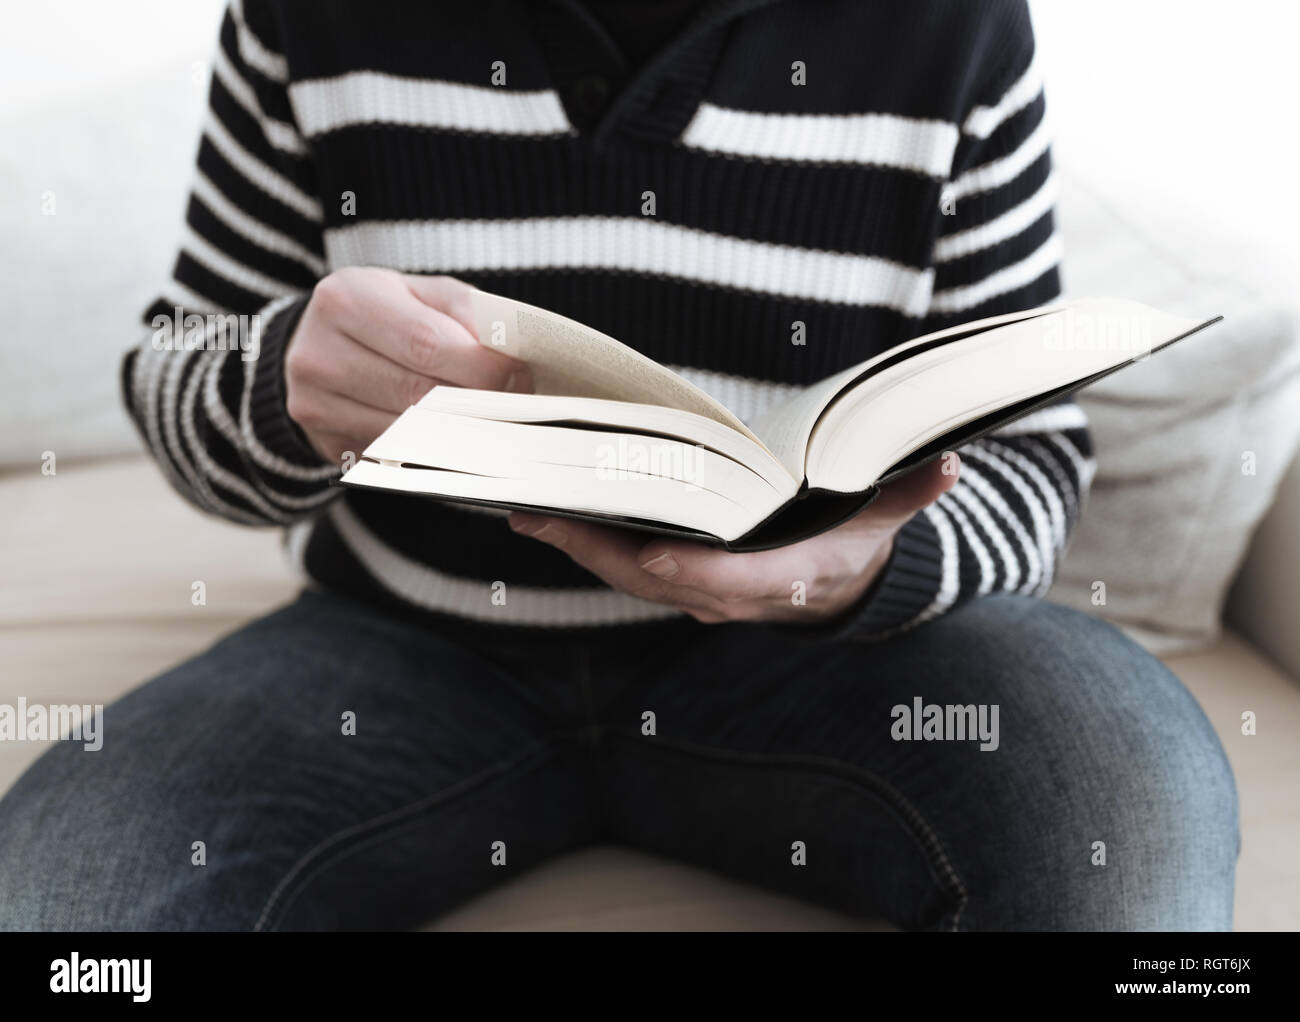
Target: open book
(612, 436)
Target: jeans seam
(295, 881)
(936, 856)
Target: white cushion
(1173, 504)
(117, 170)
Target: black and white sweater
(874, 171)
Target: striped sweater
(872, 171)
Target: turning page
(570, 358)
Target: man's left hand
(835, 568)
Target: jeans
(344, 768)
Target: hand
(712, 585)
(371, 343)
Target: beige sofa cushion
(1193, 443)
(99, 563)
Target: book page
(614, 415)
(918, 400)
(563, 488)
(425, 438)
(560, 468)
(569, 358)
(787, 428)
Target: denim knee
(1122, 809)
(89, 841)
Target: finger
(484, 368)
(720, 574)
(337, 363)
(339, 415)
(731, 578)
(388, 318)
(431, 343)
(609, 554)
(448, 294)
(905, 496)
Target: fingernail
(528, 525)
(664, 566)
(525, 525)
(552, 534)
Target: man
(457, 697)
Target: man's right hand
(372, 342)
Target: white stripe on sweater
(981, 236)
(1084, 467)
(166, 384)
(984, 120)
(220, 417)
(996, 173)
(189, 300)
(950, 578)
(870, 139)
(141, 368)
(1040, 519)
(280, 134)
(1009, 278)
(323, 105)
(1063, 484)
(296, 538)
(252, 229)
(213, 259)
(212, 473)
(1029, 545)
(259, 174)
(148, 370)
(426, 587)
(968, 532)
(251, 50)
(174, 364)
(632, 245)
(1030, 471)
(966, 496)
(162, 407)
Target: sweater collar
(654, 102)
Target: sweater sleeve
(1006, 522)
(205, 387)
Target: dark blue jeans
(780, 761)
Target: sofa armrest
(1264, 602)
